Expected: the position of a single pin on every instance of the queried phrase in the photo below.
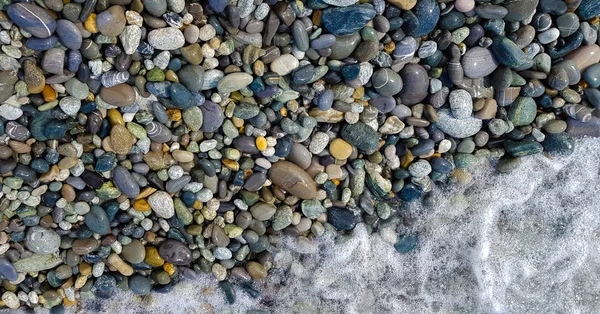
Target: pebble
(42, 240)
(162, 205)
(293, 180)
(33, 19)
(478, 62)
(168, 38)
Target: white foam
(524, 242)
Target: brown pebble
(256, 270)
(85, 246)
(5, 152)
(68, 193)
(18, 147)
(120, 95)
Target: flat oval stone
(37, 262)
(341, 218)
(162, 204)
(69, 34)
(111, 22)
(263, 211)
(522, 111)
(423, 20)
(134, 252)
(519, 10)
(42, 240)
(293, 180)
(386, 82)
(139, 285)
(212, 116)
(360, 135)
(585, 56)
(125, 182)
(416, 84)
(97, 220)
(592, 76)
(507, 52)
(169, 38)
(344, 46)
(300, 36)
(458, 128)
(234, 81)
(192, 77)
(175, 252)
(120, 95)
(35, 20)
(255, 181)
(478, 62)
(300, 155)
(7, 269)
(284, 64)
(341, 21)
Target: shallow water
(524, 242)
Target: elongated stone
(233, 82)
(37, 262)
(125, 182)
(32, 18)
(293, 180)
(341, 21)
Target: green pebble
(163, 174)
(183, 213)
(155, 75)
(13, 182)
(137, 130)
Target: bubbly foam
(523, 242)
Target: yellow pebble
(90, 24)
(152, 257)
(283, 111)
(261, 143)
(340, 149)
(231, 164)
(359, 92)
(407, 159)
(85, 269)
(141, 205)
(68, 302)
(241, 129)
(389, 47)
(335, 181)
(169, 268)
(197, 205)
(115, 117)
(236, 96)
(90, 97)
(174, 114)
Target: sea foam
(523, 242)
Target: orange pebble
(48, 93)
(169, 268)
(174, 114)
(336, 182)
(283, 111)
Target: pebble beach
(149, 144)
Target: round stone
(386, 82)
(340, 149)
(42, 240)
(478, 62)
